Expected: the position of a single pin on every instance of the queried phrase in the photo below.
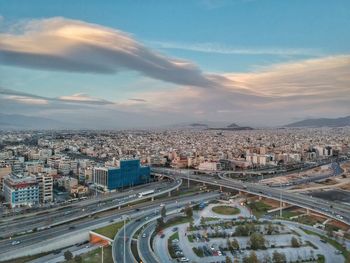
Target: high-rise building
(21, 190)
(129, 173)
(45, 182)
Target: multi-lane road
(83, 220)
(121, 255)
(80, 209)
(144, 244)
(334, 210)
(140, 210)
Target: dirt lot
(333, 195)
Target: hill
(322, 122)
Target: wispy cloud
(27, 98)
(227, 49)
(137, 100)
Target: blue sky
(218, 37)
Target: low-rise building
(21, 190)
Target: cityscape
(209, 131)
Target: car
(175, 229)
(184, 259)
(144, 235)
(16, 242)
(71, 227)
(162, 236)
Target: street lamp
(102, 254)
(280, 199)
(124, 238)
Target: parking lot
(218, 238)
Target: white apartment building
(45, 187)
(209, 166)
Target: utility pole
(102, 254)
(281, 200)
(188, 178)
(124, 239)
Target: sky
(128, 64)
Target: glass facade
(129, 173)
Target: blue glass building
(129, 173)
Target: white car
(184, 259)
(16, 242)
(144, 235)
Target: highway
(81, 209)
(90, 223)
(84, 221)
(119, 256)
(144, 244)
(334, 210)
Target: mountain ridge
(321, 122)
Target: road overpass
(59, 237)
(338, 211)
(122, 252)
(88, 208)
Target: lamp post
(281, 200)
(188, 177)
(102, 254)
(124, 239)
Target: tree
(160, 224)
(68, 255)
(235, 244)
(294, 242)
(251, 228)
(189, 211)
(163, 212)
(78, 259)
(252, 258)
(241, 231)
(228, 259)
(269, 229)
(278, 257)
(257, 241)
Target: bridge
(337, 211)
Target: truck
(142, 194)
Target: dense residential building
(45, 182)
(209, 166)
(21, 190)
(5, 170)
(129, 173)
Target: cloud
(75, 46)
(268, 96)
(27, 98)
(275, 95)
(226, 49)
(325, 78)
(137, 100)
(84, 98)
